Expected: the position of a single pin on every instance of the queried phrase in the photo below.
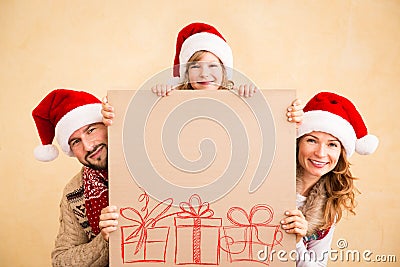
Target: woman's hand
(295, 223)
(107, 111)
(108, 221)
(295, 112)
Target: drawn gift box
(194, 228)
(250, 233)
(142, 240)
(147, 246)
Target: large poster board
(201, 178)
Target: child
(203, 61)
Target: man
(74, 119)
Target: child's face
(206, 73)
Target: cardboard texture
(201, 178)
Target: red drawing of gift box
(194, 228)
(147, 246)
(142, 241)
(248, 235)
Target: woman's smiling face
(205, 73)
(318, 154)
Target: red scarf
(95, 183)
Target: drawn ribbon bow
(195, 208)
(148, 220)
(242, 219)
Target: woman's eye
(333, 145)
(310, 140)
(195, 66)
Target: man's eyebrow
(85, 129)
(70, 141)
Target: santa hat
(336, 115)
(200, 36)
(59, 115)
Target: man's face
(89, 145)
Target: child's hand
(162, 89)
(107, 111)
(247, 90)
(295, 223)
(295, 112)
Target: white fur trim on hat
(324, 121)
(45, 152)
(367, 144)
(209, 42)
(75, 119)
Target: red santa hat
(336, 115)
(200, 36)
(59, 115)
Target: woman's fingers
(295, 223)
(295, 112)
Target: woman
(331, 130)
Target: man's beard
(98, 164)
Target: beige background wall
(351, 47)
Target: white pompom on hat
(197, 37)
(334, 114)
(59, 115)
